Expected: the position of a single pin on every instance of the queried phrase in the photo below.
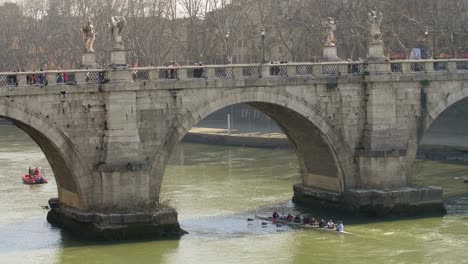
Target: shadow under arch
(57, 148)
(444, 125)
(326, 160)
(433, 108)
(442, 104)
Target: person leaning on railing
(198, 72)
(60, 77)
(42, 79)
(15, 78)
(33, 78)
(12, 79)
(134, 73)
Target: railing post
(153, 74)
(182, 74)
(317, 69)
(429, 66)
(265, 70)
(210, 72)
(51, 78)
(406, 67)
(238, 73)
(343, 68)
(452, 66)
(80, 77)
(22, 79)
(292, 70)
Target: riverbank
(457, 154)
(4, 122)
(217, 136)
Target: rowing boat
(299, 225)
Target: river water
(215, 189)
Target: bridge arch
(441, 103)
(326, 160)
(71, 175)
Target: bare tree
(41, 33)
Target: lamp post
(263, 34)
(426, 34)
(228, 60)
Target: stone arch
(435, 105)
(441, 104)
(71, 175)
(318, 131)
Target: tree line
(37, 33)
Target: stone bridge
(108, 134)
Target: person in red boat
(36, 171)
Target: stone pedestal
(376, 52)
(160, 224)
(88, 60)
(118, 59)
(406, 201)
(330, 53)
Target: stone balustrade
(234, 71)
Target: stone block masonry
(355, 135)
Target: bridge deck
(234, 72)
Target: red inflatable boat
(34, 177)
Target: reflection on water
(215, 189)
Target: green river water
(215, 189)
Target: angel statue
(375, 36)
(330, 28)
(116, 25)
(89, 35)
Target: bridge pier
(405, 201)
(121, 209)
(115, 225)
(384, 158)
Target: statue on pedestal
(89, 35)
(330, 28)
(375, 36)
(116, 25)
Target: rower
(275, 215)
(322, 224)
(297, 219)
(289, 218)
(314, 223)
(282, 217)
(330, 224)
(340, 227)
(305, 220)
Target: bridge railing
(231, 72)
(429, 66)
